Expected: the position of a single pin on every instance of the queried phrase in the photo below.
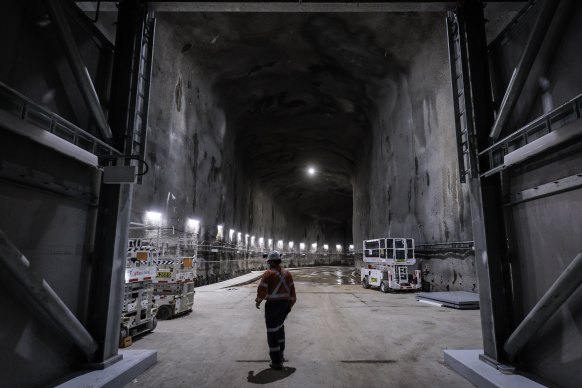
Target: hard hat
(274, 256)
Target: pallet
(126, 342)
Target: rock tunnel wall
(407, 180)
(196, 170)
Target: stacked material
(461, 300)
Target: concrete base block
(467, 364)
(133, 363)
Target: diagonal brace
(14, 267)
(521, 72)
(78, 68)
(547, 306)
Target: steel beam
(15, 268)
(301, 6)
(485, 195)
(108, 273)
(547, 306)
(65, 36)
(521, 72)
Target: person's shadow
(269, 375)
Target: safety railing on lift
(493, 157)
(26, 110)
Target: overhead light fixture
(192, 225)
(153, 218)
(311, 171)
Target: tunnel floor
(338, 335)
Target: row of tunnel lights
(193, 226)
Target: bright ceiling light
(153, 218)
(311, 171)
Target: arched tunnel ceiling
(301, 90)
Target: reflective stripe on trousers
(275, 314)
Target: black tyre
(164, 312)
(365, 283)
(384, 287)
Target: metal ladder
(461, 103)
(142, 63)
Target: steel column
(59, 21)
(485, 194)
(519, 76)
(115, 200)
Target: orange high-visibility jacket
(276, 284)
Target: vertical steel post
(485, 193)
(108, 275)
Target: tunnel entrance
(307, 133)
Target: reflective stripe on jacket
(276, 284)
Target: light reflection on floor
(327, 276)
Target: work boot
(276, 366)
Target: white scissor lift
(387, 263)
(138, 313)
(174, 287)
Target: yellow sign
(374, 279)
(164, 275)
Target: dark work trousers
(275, 314)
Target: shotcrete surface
(338, 335)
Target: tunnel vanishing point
(304, 127)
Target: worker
(276, 287)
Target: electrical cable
(97, 12)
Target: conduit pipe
(78, 68)
(15, 268)
(519, 76)
(547, 306)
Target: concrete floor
(338, 335)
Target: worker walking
(276, 287)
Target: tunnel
(399, 178)
(249, 103)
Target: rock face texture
(244, 104)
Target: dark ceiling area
(300, 90)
